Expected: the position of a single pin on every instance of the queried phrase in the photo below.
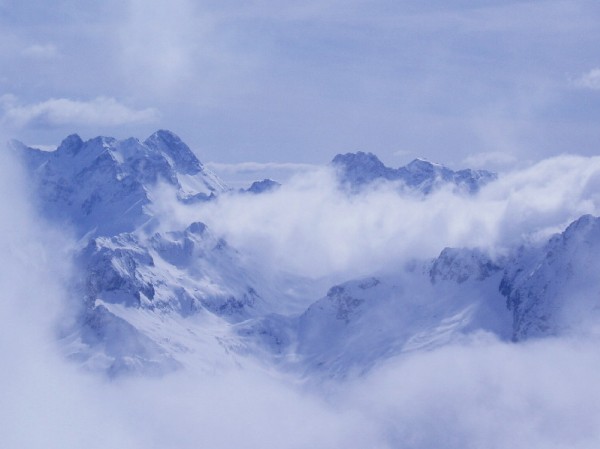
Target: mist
(312, 227)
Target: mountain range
(151, 297)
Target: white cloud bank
(310, 227)
(101, 111)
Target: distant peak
(165, 135)
(263, 186)
(360, 157)
(71, 144)
(103, 140)
(357, 169)
(360, 168)
(168, 143)
(421, 163)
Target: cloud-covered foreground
(481, 393)
(487, 394)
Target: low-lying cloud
(486, 394)
(313, 228)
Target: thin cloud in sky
(101, 111)
(41, 51)
(589, 80)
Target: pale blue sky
(478, 82)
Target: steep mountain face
(103, 190)
(180, 271)
(357, 170)
(555, 288)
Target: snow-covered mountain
(103, 185)
(364, 321)
(555, 288)
(357, 170)
(103, 190)
(152, 298)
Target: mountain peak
(358, 158)
(182, 158)
(419, 163)
(360, 168)
(102, 184)
(71, 144)
(165, 135)
(265, 185)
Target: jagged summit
(357, 170)
(359, 158)
(266, 185)
(103, 184)
(420, 163)
(180, 155)
(162, 143)
(71, 144)
(361, 168)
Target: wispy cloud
(41, 51)
(101, 111)
(589, 80)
